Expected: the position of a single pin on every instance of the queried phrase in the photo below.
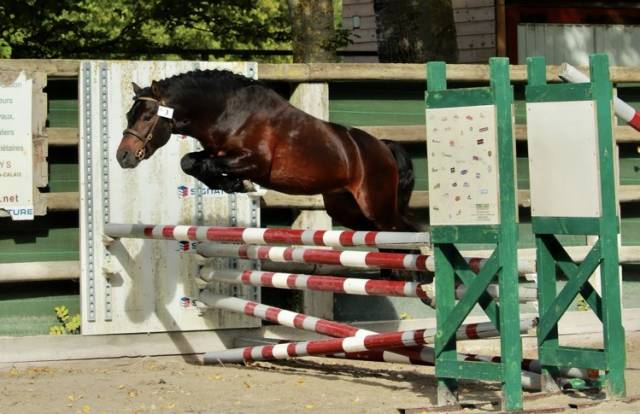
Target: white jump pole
(622, 109)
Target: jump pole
(622, 109)
(254, 235)
(351, 286)
(291, 319)
(341, 330)
(415, 354)
(347, 258)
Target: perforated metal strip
(88, 193)
(104, 147)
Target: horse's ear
(136, 88)
(156, 89)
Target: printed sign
(16, 149)
(463, 166)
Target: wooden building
(559, 30)
(475, 27)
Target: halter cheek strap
(163, 111)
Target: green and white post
(472, 200)
(573, 192)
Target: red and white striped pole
(528, 365)
(338, 284)
(349, 346)
(622, 109)
(417, 355)
(325, 283)
(252, 235)
(348, 258)
(340, 330)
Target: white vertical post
(313, 98)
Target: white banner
(16, 149)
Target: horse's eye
(147, 117)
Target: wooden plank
(67, 201)
(362, 9)
(62, 136)
(479, 41)
(363, 35)
(52, 67)
(476, 55)
(273, 199)
(366, 22)
(40, 147)
(301, 72)
(459, 4)
(39, 271)
(470, 28)
(369, 44)
(474, 14)
(417, 133)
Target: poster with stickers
(463, 165)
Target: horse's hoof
(248, 186)
(187, 163)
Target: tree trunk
(313, 34)
(416, 31)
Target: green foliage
(5, 49)
(582, 304)
(69, 325)
(129, 29)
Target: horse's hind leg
(379, 203)
(344, 209)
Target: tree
(128, 28)
(314, 38)
(416, 31)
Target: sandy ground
(310, 385)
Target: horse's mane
(220, 82)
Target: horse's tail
(406, 178)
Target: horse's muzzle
(127, 158)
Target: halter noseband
(145, 140)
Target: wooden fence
(312, 73)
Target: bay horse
(249, 132)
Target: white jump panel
(563, 159)
(463, 165)
(136, 285)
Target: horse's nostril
(125, 158)
(122, 155)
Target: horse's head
(149, 125)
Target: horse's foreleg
(243, 164)
(198, 165)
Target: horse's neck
(196, 116)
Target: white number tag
(165, 112)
